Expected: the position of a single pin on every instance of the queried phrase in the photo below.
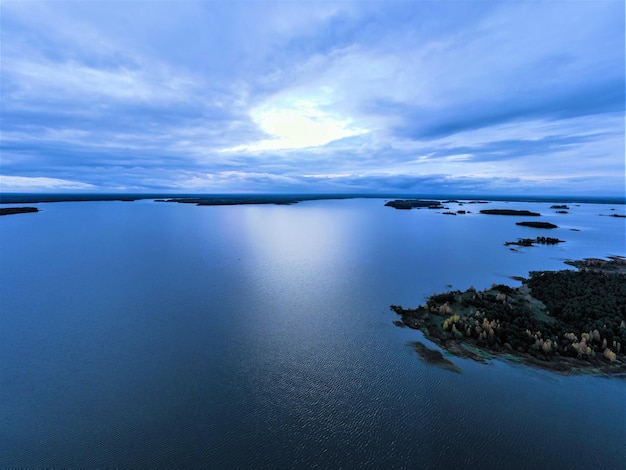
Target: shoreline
(532, 325)
(42, 197)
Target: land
(244, 200)
(216, 200)
(532, 241)
(615, 264)
(565, 321)
(510, 212)
(533, 224)
(17, 210)
(22, 198)
(407, 204)
(201, 200)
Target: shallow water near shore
(166, 335)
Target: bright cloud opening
(299, 125)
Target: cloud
(296, 124)
(25, 183)
(314, 96)
(81, 83)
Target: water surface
(151, 334)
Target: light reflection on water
(150, 334)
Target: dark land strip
(564, 321)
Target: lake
(146, 334)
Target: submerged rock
(434, 357)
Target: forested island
(566, 321)
(510, 212)
(534, 224)
(406, 204)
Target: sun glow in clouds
(297, 125)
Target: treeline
(591, 304)
(584, 316)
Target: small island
(407, 204)
(532, 241)
(510, 212)
(17, 210)
(534, 224)
(565, 321)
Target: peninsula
(17, 210)
(565, 321)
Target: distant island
(406, 204)
(243, 199)
(17, 210)
(532, 241)
(565, 321)
(533, 224)
(198, 199)
(510, 212)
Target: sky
(370, 97)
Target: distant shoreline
(279, 198)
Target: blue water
(166, 335)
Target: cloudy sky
(473, 97)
